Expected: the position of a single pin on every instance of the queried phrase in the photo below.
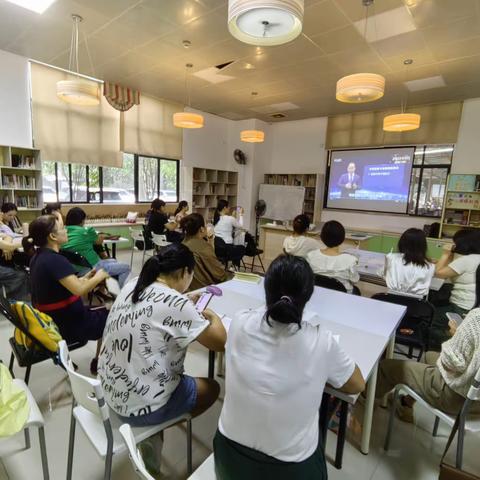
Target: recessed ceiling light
(386, 25)
(38, 6)
(249, 66)
(425, 83)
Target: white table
(113, 244)
(366, 328)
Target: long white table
(366, 328)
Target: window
(429, 178)
(142, 178)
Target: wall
(15, 113)
(466, 157)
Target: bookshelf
(21, 177)
(209, 186)
(311, 183)
(461, 207)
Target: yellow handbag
(14, 407)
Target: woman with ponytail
(148, 331)
(57, 291)
(225, 227)
(278, 362)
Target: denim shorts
(182, 400)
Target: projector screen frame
(376, 212)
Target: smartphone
(454, 316)
(203, 301)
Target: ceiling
(138, 43)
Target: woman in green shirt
(82, 240)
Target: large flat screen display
(374, 179)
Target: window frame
(136, 158)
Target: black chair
(418, 318)
(227, 253)
(27, 357)
(252, 251)
(81, 264)
(330, 283)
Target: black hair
(49, 208)
(301, 223)
(467, 242)
(333, 234)
(220, 206)
(192, 223)
(8, 207)
(40, 229)
(477, 283)
(75, 216)
(170, 260)
(157, 204)
(181, 205)
(289, 284)
(413, 245)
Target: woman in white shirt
(225, 226)
(299, 244)
(409, 270)
(278, 362)
(145, 341)
(330, 262)
(459, 264)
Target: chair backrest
(135, 456)
(330, 283)
(87, 391)
(137, 235)
(75, 258)
(419, 311)
(159, 240)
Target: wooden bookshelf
(309, 181)
(461, 207)
(209, 186)
(21, 177)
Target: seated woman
(181, 211)
(299, 244)
(278, 363)
(208, 268)
(52, 208)
(57, 291)
(330, 261)
(82, 240)
(159, 224)
(458, 264)
(444, 379)
(225, 227)
(410, 271)
(9, 221)
(158, 322)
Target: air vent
(278, 115)
(223, 65)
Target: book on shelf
(23, 161)
(18, 181)
(26, 201)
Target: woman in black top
(158, 222)
(57, 291)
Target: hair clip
(287, 298)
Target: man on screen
(349, 182)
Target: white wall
(15, 113)
(466, 157)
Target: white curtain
(69, 133)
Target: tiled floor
(414, 453)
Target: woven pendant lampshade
(252, 136)
(265, 22)
(77, 92)
(360, 88)
(401, 122)
(187, 120)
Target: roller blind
(148, 129)
(69, 133)
(439, 125)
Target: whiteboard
(284, 202)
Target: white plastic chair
(469, 423)
(137, 236)
(35, 419)
(134, 453)
(159, 240)
(206, 471)
(92, 413)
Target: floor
(414, 453)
